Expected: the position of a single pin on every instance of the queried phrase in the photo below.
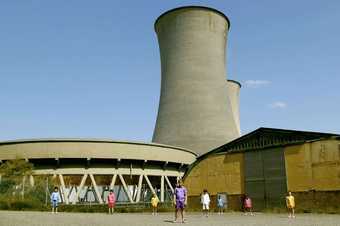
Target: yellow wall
(217, 173)
(314, 165)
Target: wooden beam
(96, 189)
(139, 189)
(63, 188)
(125, 187)
(149, 183)
(169, 184)
(82, 183)
(113, 181)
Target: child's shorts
(55, 203)
(180, 204)
(111, 205)
(205, 206)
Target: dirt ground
(11, 218)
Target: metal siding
(275, 177)
(265, 178)
(254, 179)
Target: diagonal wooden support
(70, 192)
(125, 187)
(113, 181)
(169, 184)
(96, 189)
(82, 183)
(139, 189)
(150, 185)
(63, 188)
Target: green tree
(14, 173)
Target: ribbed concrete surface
(194, 109)
(234, 97)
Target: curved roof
(93, 148)
(193, 7)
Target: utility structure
(195, 107)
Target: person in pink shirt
(111, 200)
(248, 205)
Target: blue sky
(92, 68)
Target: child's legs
(176, 213)
(289, 211)
(182, 213)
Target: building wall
(313, 166)
(312, 172)
(217, 174)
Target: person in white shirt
(205, 200)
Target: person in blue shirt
(220, 204)
(54, 200)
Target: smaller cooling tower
(233, 88)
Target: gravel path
(9, 218)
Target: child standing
(248, 205)
(220, 204)
(55, 198)
(205, 200)
(111, 200)
(180, 200)
(154, 204)
(290, 202)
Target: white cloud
(278, 104)
(256, 83)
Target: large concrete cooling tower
(194, 108)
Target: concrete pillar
(31, 180)
(162, 188)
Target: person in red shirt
(247, 204)
(111, 200)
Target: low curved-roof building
(97, 165)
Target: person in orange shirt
(290, 202)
